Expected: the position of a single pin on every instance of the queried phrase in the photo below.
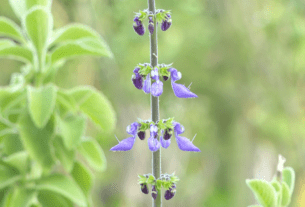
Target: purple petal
(167, 134)
(151, 28)
(153, 131)
(164, 143)
(139, 28)
(155, 74)
(178, 128)
(141, 135)
(144, 188)
(154, 192)
(153, 144)
(182, 92)
(124, 145)
(136, 70)
(137, 81)
(185, 144)
(157, 88)
(133, 128)
(147, 84)
(175, 74)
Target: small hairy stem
(156, 156)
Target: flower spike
(180, 90)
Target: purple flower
(138, 26)
(154, 192)
(169, 194)
(164, 143)
(167, 134)
(180, 90)
(183, 143)
(137, 79)
(151, 27)
(153, 142)
(144, 188)
(166, 23)
(141, 135)
(147, 84)
(157, 87)
(127, 144)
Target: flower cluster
(144, 75)
(166, 181)
(164, 127)
(161, 16)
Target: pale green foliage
(275, 193)
(43, 127)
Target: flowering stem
(156, 156)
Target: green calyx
(166, 180)
(161, 15)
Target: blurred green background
(246, 62)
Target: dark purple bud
(144, 188)
(167, 134)
(154, 192)
(138, 26)
(169, 194)
(166, 23)
(141, 135)
(151, 27)
(165, 78)
(137, 81)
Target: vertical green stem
(156, 156)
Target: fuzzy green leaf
(289, 178)
(264, 192)
(93, 154)
(72, 129)
(41, 103)
(14, 52)
(12, 144)
(20, 197)
(51, 199)
(96, 106)
(286, 197)
(8, 176)
(73, 32)
(18, 7)
(8, 28)
(10, 99)
(88, 46)
(83, 177)
(39, 23)
(19, 160)
(64, 186)
(65, 156)
(37, 140)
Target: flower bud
(151, 27)
(138, 26)
(144, 188)
(154, 192)
(141, 135)
(137, 81)
(169, 194)
(166, 23)
(167, 134)
(165, 78)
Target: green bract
(42, 126)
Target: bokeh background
(246, 62)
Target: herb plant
(43, 127)
(149, 77)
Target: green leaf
(19, 160)
(286, 197)
(151, 179)
(72, 129)
(12, 144)
(8, 176)
(86, 46)
(32, 3)
(50, 199)
(83, 177)
(39, 23)
(73, 32)
(37, 141)
(21, 197)
(6, 43)
(65, 102)
(263, 191)
(93, 154)
(289, 178)
(8, 28)
(14, 52)
(41, 103)
(64, 186)
(10, 98)
(96, 106)
(18, 7)
(65, 156)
